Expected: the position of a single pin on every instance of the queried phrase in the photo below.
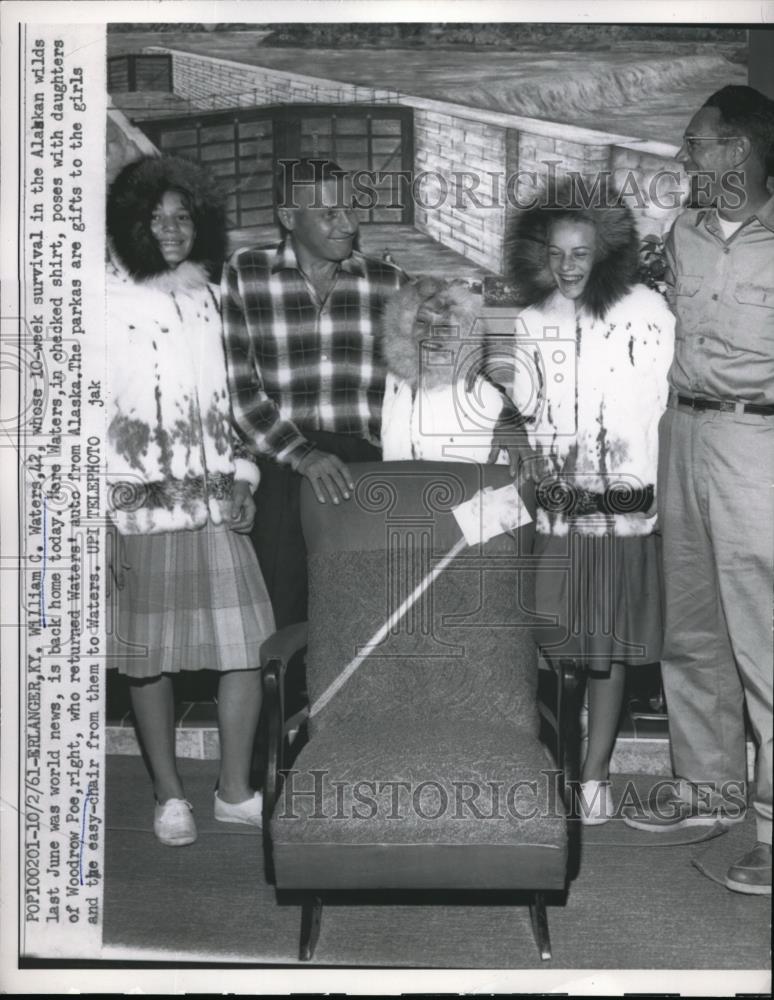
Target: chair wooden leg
(537, 913)
(311, 915)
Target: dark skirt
(187, 600)
(600, 598)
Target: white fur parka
(596, 397)
(171, 458)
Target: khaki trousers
(716, 512)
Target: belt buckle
(689, 401)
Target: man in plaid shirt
(305, 371)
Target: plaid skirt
(187, 600)
(601, 598)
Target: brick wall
(457, 201)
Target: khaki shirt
(722, 294)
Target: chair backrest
(465, 649)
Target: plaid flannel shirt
(297, 364)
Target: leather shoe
(249, 812)
(680, 809)
(173, 823)
(752, 873)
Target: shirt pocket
(748, 294)
(688, 284)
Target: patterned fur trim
(169, 494)
(135, 193)
(428, 308)
(614, 271)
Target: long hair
(616, 258)
(136, 192)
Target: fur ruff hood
(135, 193)
(429, 309)
(614, 271)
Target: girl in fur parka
(189, 592)
(592, 353)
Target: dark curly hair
(136, 192)
(616, 261)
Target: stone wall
(473, 168)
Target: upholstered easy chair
(424, 771)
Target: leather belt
(727, 405)
(561, 497)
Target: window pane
(351, 126)
(255, 129)
(218, 151)
(213, 133)
(257, 217)
(353, 147)
(312, 126)
(178, 140)
(385, 147)
(385, 126)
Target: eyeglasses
(693, 140)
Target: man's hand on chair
(329, 476)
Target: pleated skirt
(600, 598)
(187, 600)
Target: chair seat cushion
(447, 805)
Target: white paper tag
(491, 512)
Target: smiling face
(571, 249)
(173, 228)
(324, 225)
(706, 153)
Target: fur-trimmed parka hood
(135, 193)
(429, 309)
(617, 253)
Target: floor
(635, 904)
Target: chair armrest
(284, 643)
(565, 720)
(275, 655)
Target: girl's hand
(242, 507)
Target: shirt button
(726, 249)
(715, 297)
(324, 357)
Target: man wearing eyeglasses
(716, 481)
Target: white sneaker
(173, 823)
(595, 803)
(249, 812)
